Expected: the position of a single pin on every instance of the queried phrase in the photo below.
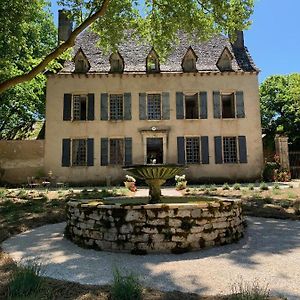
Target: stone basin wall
(140, 229)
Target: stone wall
(140, 229)
(20, 159)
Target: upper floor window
(189, 61)
(225, 61)
(80, 107)
(152, 62)
(82, 64)
(116, 63)
(154, 106)
(79, 152)
(228, 106)
(116, 151)
(116, 106)
(191, 106)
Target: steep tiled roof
(134, 54)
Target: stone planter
(181, 185)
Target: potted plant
(180, 182)
(130, 183)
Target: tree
(280, 106)
(27, 35)
(157, 21)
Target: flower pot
(181, 185)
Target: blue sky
(273, 39)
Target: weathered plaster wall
(57, 129)
(20, 159)
(147, 228)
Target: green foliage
(237, 186)
(212, 188)
(226, 186)
(243, 290)
(125, 287)
(263, 186)
(280, 105)
(276, 186)
(26, 281)
(251, 186)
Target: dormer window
(82, 64)
(225, 61)
(189, 61)
(152, 62)
(116, 63)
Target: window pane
(116, 151)
(191, 107)
(228, 110)
(229, 150)
(116, 107)
(192, 150)
(154, 107)
(79, 107)
(79, 152)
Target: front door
(155, 153)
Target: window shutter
(91, 105)
(90, 152)
(242, 149)
(104, 106)
(142, 106)
(217, 107)
(127, 106)
(218, 150)
(204, 150)
(180, 150)
(240, 111)
(128, 151)
(203, 105)
(179, 106)
(104, 151)
(165, 106)
(67, 107)
(66, 147)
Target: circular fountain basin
(132, 225)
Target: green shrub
(243, 290)
(291, 186)
(276, 186)
(212, 188)
(263, 186)
(125, 287)
(26, 281)
(251, 186)
(237, 186)
(226, 186)
(268, 172)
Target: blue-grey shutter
(217, 104)
(242, 149)
(104, 106)
(128, 151)
(204, 150)
(203, 105)
(66, 147)
(218, 150)
(91, 105)
(165, 106)
(67, 107)
(179, 106)
(90, 152)
(240, 110)
(180, 150)
(142, 106)
(127, 106)
(104, 151)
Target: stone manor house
(199, 107)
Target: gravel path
(270, 252)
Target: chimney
(239, 42)
(65, 26)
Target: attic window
(225, 61)
(81, 62)
(152, 62)
(189, 61)
(116, 63)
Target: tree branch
(56, 53)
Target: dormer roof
(81, 62)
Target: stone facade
(140, 229)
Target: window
(225, 60)
(228, 106)
(189, 61)
(82, 64)
(116, 151)
(192, 107)
(116, 106)
(154, 106)
(192, 145)
(116, 63)
(230, 150)
(79, 152)
(80, 107)
(152, 62)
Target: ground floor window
(230, 150)
(192, 145)
(116, 151)
(79, 152)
